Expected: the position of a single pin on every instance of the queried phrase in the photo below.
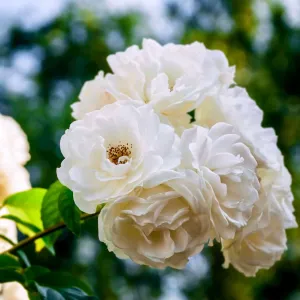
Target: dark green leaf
(76, 294)
(30, 226)
(69, 211)
(64, 294)
(11, 274)
(26, 206)
(24, 257)
(61, 280)
(7, 260)
(33, 295)
(54, 295)
(49, 213)
(31, 273)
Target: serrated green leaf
(50, 214)
(11, 274)
(9, 261)
(62, 280)
(26, 206)
(69, 211)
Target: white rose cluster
(170, 183)
(14, 153)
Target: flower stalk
(44, 233)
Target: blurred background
(48, 49)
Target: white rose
(276, 188)
(229, 170)
(235, 107)
(14, 153)
(111, 151)
(159, 226)
(93, 96)
(13, 179)
(171, 78)
(11, 290)
(251, 251)
(14, 144)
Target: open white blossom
(229, 170)
(235, 107)
(14, 153)
(171, 78)
(111, 151)
(93, 96)
(10, 290)
(251, 251)
(262, 242)
(13, 141)
(169, 185)
(159, 226)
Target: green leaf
(31, 273)
(33, 295)
(11, 274)
(26, 206)
(50, 214)
(30, 226)
(76, 294)
(69, 211)
(10, 269)
(53, 295)
(64, 294)
(9, 261)
(62, 280)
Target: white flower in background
(13, 141)
(13, 179)
(11, 290)
(111, 151)
(229, 170)
(159, 226)
(14, 153)
(234, 106)
(171, 78)
(251, 251)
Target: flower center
(119, 154)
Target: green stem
(43, 233)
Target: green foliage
(65, 294)
(69, 211)
(9, 261)
(33, 272)
(25, 209)
(10, 269)
(50, 214)
(62, 280)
